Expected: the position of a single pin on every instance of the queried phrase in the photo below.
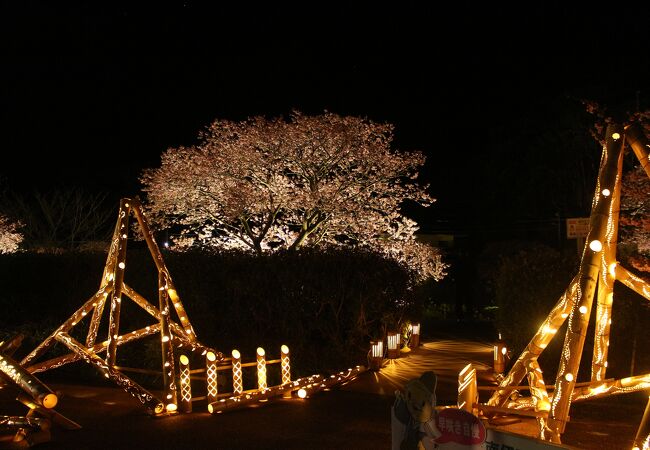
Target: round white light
(260, 351)
(606, 192)
(121, 265)
(596, 245)
(302, 393)
(211, 356)
(236, 354)
(582, 309)
(616, 136)
(284, 349)
(568, 377)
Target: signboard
(577, 227)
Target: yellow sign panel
(577, 227)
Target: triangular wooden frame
(112, 289)
(598, 269)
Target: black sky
(93, 92)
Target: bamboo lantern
(211, 376)
(11, 370)
(467, 389)
(185, 384)
(261, 369)
(393, 340)
(237, 381)
(415, 335)
(500, 352)
(284, 364)
(376, 355)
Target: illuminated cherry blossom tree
(269, 184)
(10, 237)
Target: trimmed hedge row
(325, 305)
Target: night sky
(93, 93)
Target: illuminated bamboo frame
(211, 375)
(261, 369)
(184, 384)
(467, 389)
(393, 344)
(415, 336)
(114, 290)
(598, 269)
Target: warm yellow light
(616, 136)
(568, 376)
(49, 401)
(171, 407)
(185, 360)
(565, 315)
(121, 265)
(606, 192)
(504, 350)
(612, 269)
(284, 349)
(236, 354)
(302, 393)
(211, 356)
(165, 338)
(260, 351)
(210, 409)
(596, 245)
(582, 309)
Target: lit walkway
(446, 358)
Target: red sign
(457, 425)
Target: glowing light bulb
(211, 356)
(284, 349)
(612, 269)
(171, 407)
(121, 265)
(568, 376)
(596, 245)
(302, 393)
(236, 354)
(616, 136)
(260, 351)
(185, 360)
(582, 309)
(606, 192)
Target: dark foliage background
(325, 305)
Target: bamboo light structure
(376, 355)
(285, 365)
(467, 389)
(211, 376)
(392, 340)
(114, 290)
(185, 384)
(12, 371)
(415, 336)
(257, 396)
(597, 272)
(237, 380)
(261, 369)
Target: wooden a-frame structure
(596, 275)
(112, 289)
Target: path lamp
(393, 340)
(376, 355)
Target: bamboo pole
(540, 397)
(55, 417)
(167, 351)
(64, 327)
(13, 372)
(212, 382)
(537, 344)
(467, 391)
(59, 361)
(261, 369)
(614, 387)
(607, 277)
(256, 396)
(636, 139)
(10, 346)
(185, 384)
(237, 380)
(153, 405)
(601, 216)
(117, 273)
(636, 283)
(642, 438)
(158, 260)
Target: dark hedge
(326, 305)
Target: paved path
(353, 416)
